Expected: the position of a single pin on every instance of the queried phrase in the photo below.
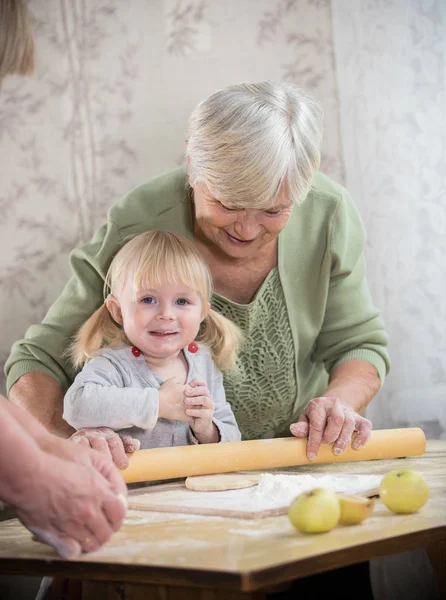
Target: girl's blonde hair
(153, 258)
(248, 142)
(17, 51)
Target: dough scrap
(219, 483)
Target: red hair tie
(193, 347)
(136, 351)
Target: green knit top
(265, 372)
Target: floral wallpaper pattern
(391, 71)
(391, 59)
(187, 28)
(107, 109)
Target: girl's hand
(107, 441)
(328, 420)
(200, 407)
(171, 401)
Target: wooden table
(162, 555)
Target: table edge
(244, 581)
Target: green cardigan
(321, 266)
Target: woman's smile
(236, 240)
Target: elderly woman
(285, 247)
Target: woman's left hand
(328, 420)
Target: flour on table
(272, 495)
(283, 489)
(142, 517)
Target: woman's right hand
(107, 441)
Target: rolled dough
(222, 482)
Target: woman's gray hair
(248, 142)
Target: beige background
(391, 59)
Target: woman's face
(238, 233)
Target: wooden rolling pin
(183, 461)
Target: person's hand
(171, 401)
(328, 420)
(200, 406)
(81, 454)
(108, 442)
(72, 507)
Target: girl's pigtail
(100, 331)
(223, 338)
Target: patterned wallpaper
(391, 70)
(107, 109)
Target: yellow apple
(355, 508)
(404, 491)
(315, 511)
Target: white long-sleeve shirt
(118, 390)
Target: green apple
(355, 508)
(404, 491)
(315, 511)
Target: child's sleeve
(224, 418)
(99, 398)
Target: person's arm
(99, 398)
(41, 395)
(356, 382)
(71, 505)
(38, 369)
(52, 444)
(153, 205)
(353, 329)
(19, 453)
(45, 396)
(352, 343)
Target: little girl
(144, 374)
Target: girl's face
(159, 321)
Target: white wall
(391, 73)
